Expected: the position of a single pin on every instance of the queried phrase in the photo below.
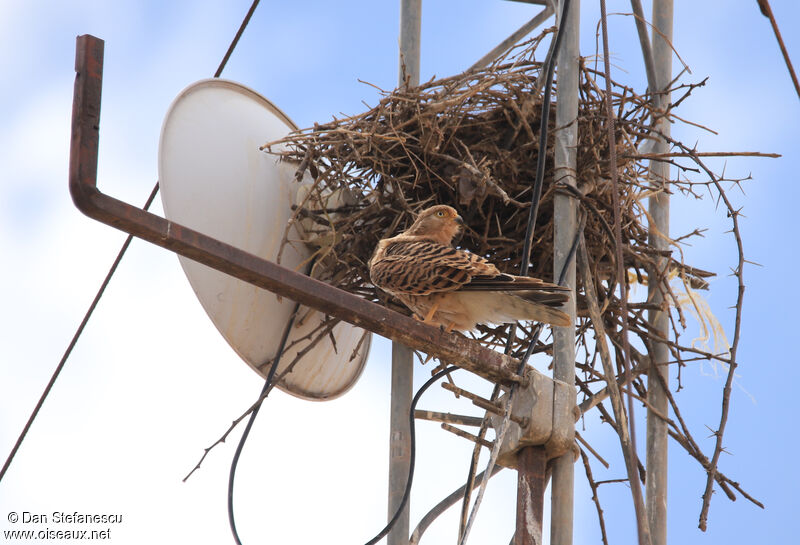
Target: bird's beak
(459, 230)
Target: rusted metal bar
(531, 482)
(86, 99)
(484, 403)
(466, 435)
(260, 272)
(540, 2)
(450, 418)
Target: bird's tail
(537, 306)
(503, 307)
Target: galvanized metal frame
(514, 38)
(565, 214)
(402, 389)
(657, 439)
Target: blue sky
(151, 383)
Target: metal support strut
(402, 356)
(658, 375)
(531, 483)
(565, 214)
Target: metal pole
(531, 483)
(509, 42)
(402, 356)
(566, 140)
(644, 40)
(399, 439)
(656, 486)
(410, 24)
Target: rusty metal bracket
(260, 272)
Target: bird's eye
(440, 213)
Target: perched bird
(453, 288)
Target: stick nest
(471, 141)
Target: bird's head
(440, 223)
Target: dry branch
(470, 141)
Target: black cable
(72, 343)
(281, 346)
(537, 330)
(107, 279)
(540, 159)
(537, 190)
(529, 230)
(572, 251)
(412, 459)
(262, 396)
(236, 38)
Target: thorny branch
(595, 498)
(466, 140)
(326, 327)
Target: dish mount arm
(223, 257)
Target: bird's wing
(532, 289)
(425, 267)
(508, 282)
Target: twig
(636, 489)
(595, 497)
(613, 389)
(701, 154)
(412, 149)
(590, 449)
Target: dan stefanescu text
(63, 517)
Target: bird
(454, 288)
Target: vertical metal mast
(565, 213)
(402, 356)
(656, 487)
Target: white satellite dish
(215, 180)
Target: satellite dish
(215, 180)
